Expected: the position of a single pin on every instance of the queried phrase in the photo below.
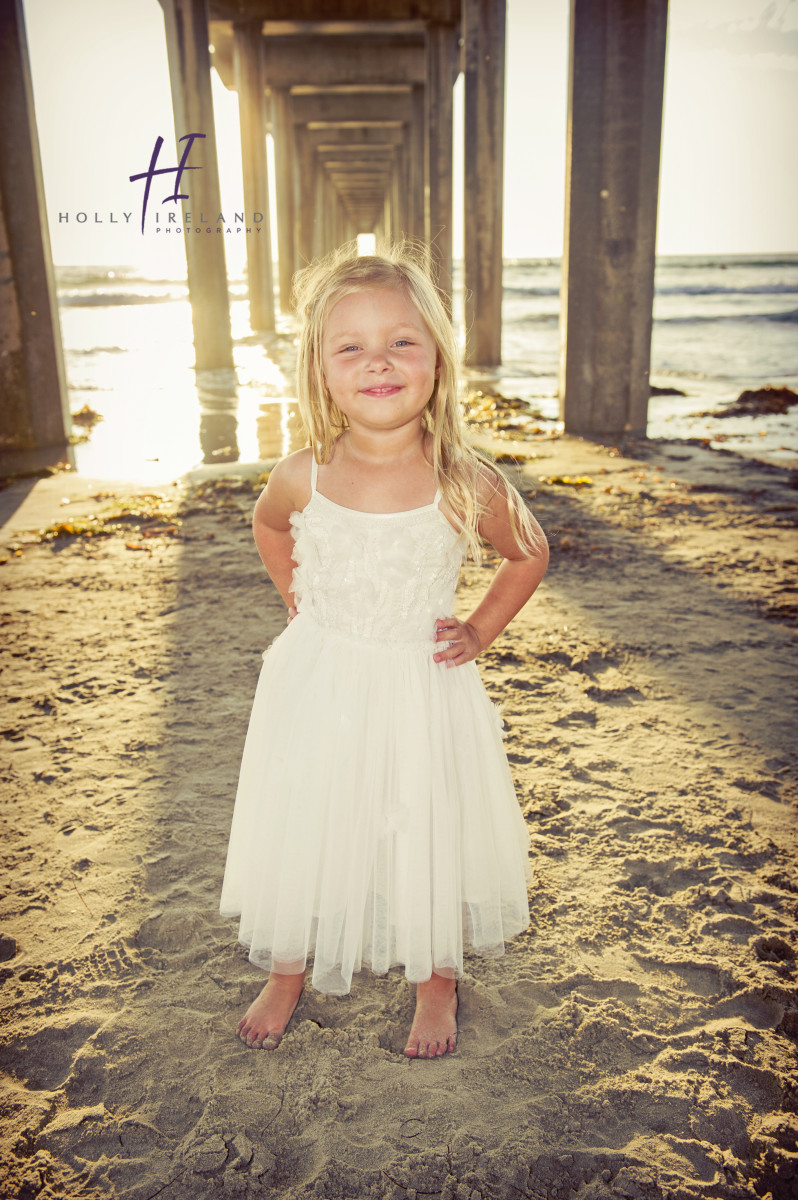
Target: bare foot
(434, 1028)
(265, 1020)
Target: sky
(729, 173)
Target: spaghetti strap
(314, 472)
(438, 498)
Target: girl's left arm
(513, 583)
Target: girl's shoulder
(488, 483)
(288, 487)
(294, 469)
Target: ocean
(721, 325)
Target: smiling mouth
(386, 390)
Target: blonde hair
(458, 468)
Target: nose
(379, 362)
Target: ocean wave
(109, 299)
(551, 317)
(514, 366)
(682, 289)
(727, 262)
(753, 289)
(546, 318)
(789, 318)
(516, 292)
(701, 262)
(75, 277)
(511, 290)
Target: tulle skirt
(376, 821)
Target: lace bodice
(375, 575)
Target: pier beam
(441, 47)
(247, 41)
(34, 416)
(186, 23)
(284, 168)
(612, 177)
(357, 156)
(484, 33)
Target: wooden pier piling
(484, 22)
(612, 180)
(247, 53)
(34, 414)
(186, 23)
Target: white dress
(376, 821)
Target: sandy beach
(638, 1041)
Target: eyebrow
(352, 334)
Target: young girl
(376, 821)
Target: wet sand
(638, 1041)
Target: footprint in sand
(577, 716)
(45, 1055)
(664, 877)
(619, 695)
(175, 930)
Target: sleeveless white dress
(376, 821)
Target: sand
(638, 1041)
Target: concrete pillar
(319, 248)
(441, 48)
(329, 196)
(323, 206)
(34, 415)
(417, 186)
(186, 24)
(388, 214)
(334, 225)
(399, 195)
(306, 198)
(612, 177)
(335, 219)
(338, 223)
(284, 166)
(247, 41)
(484, 33)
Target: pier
(358, 99)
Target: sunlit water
(720, 326)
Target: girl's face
(379, 359)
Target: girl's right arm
(286, 491)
